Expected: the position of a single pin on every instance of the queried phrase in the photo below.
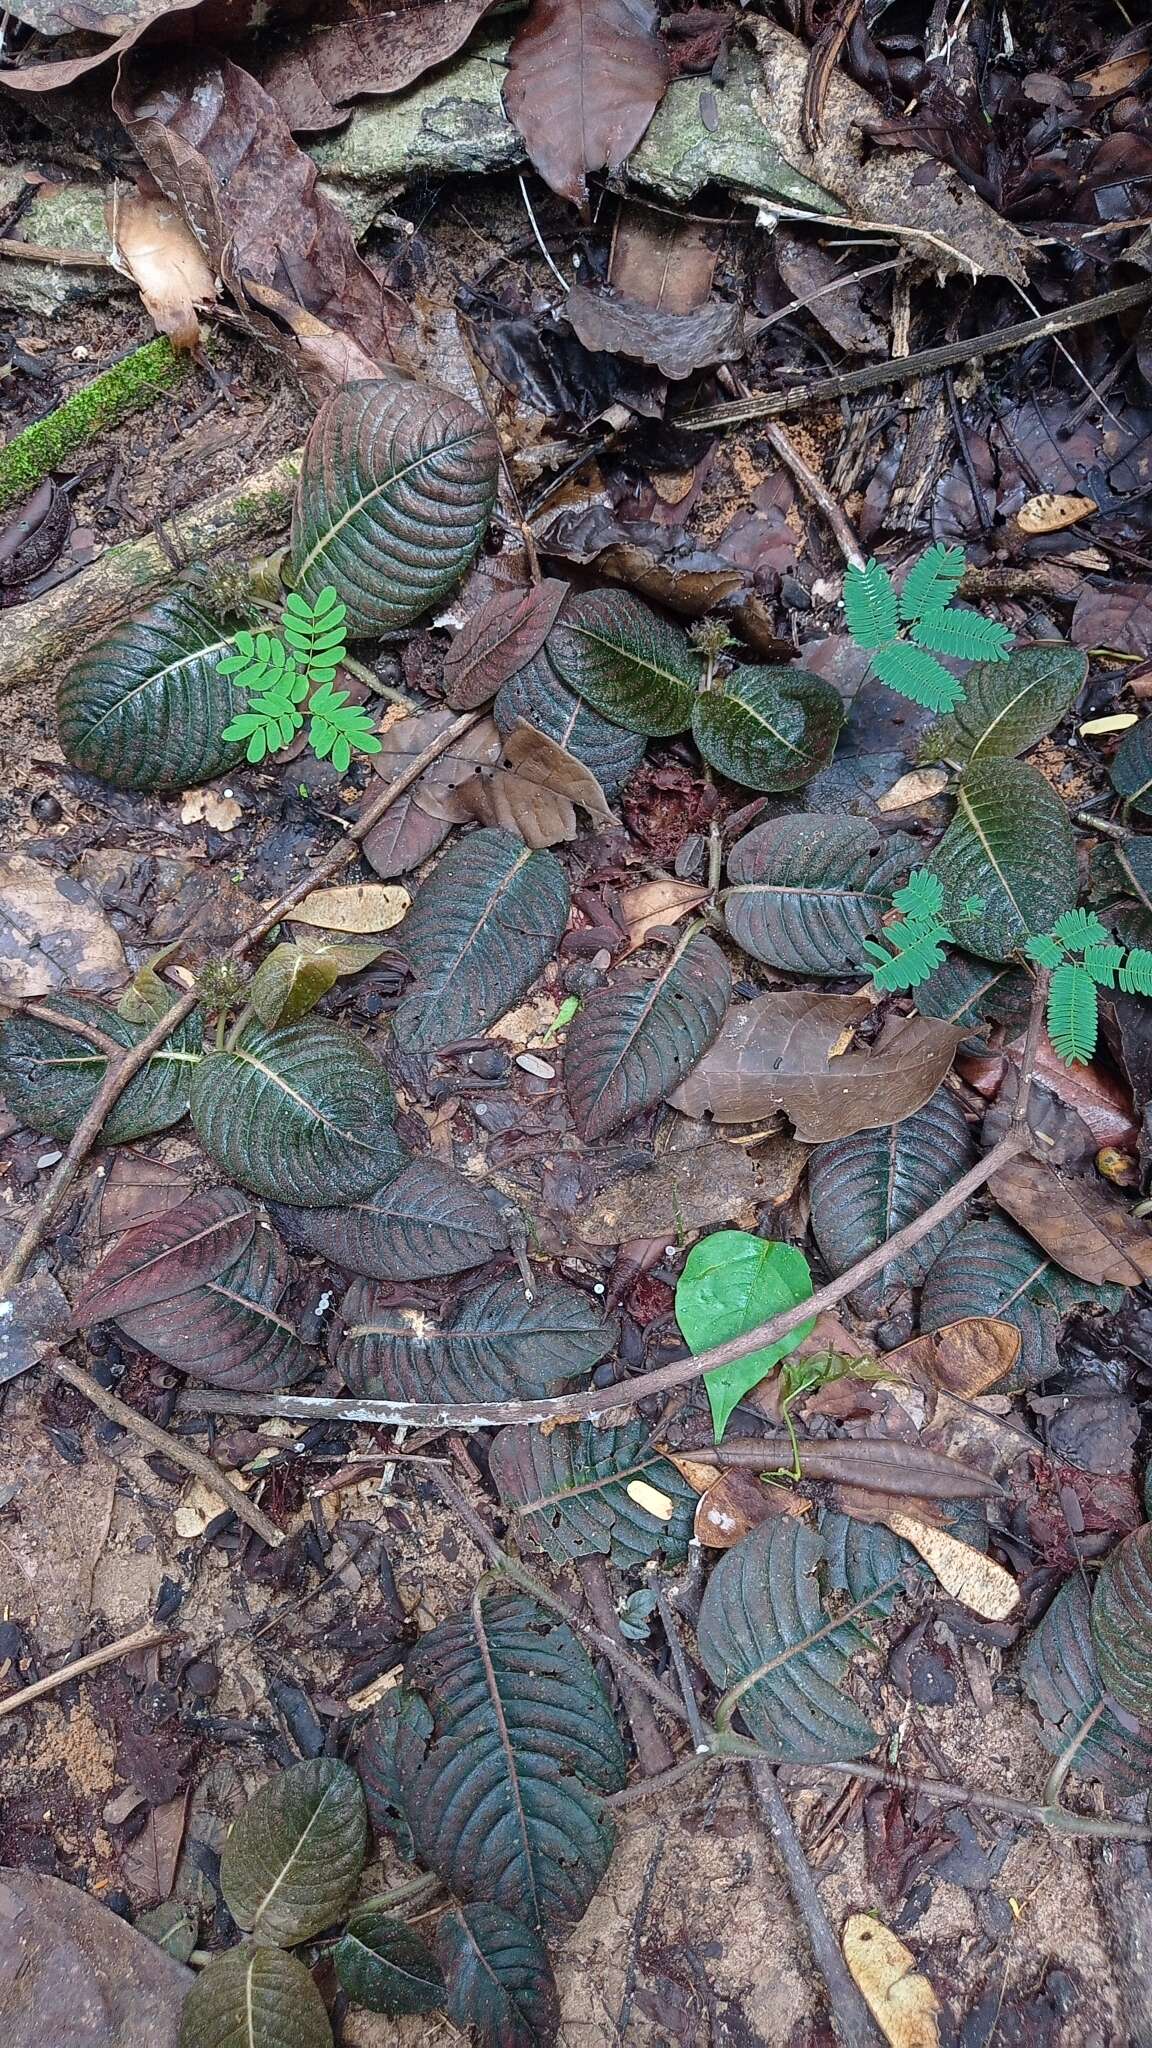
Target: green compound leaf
(1011, 845)
(573, 1491)
(922, 897)
(496, 1346)
(146, 708)
(292, 1862)
(500, 1983)
(965, 635)
(806, 891)
(763, 1608)
(424, 1222)
(1136, 973)
(268, 724)
(49, 1076)
(731, 1282)
(337, 728)
(916, 674)
(1060, 1674)
(768, 728)
(1079, 928)
(383, 1964)
(631, 665)
(261, 661)
(505, 1795)
(1072, 1013)
(870, 606)
(254, 1998)
(301, 1115)
(932, 582)
(913, 952)
(1008, 705)
(1131, 769)
(397, 485)
(634, 1042)
(1122, 1624)
(993, 1269)
(977, 994)
(864, 1189)
(315, 632)
(481, 928)
(1044, 950)
(537, 696)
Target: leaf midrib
(329, 1792)
(313, 1109)
(1026, 691)
(966, 808)
(158, 677)
(395, 476)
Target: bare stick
(141, 1639)
(813, 487)
(651, 1749)
(852, 2019)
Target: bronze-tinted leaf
(584, 80)
(587, 1492)
(1061, 1676)
(500, 638)
(228, 1332)
(500, 1982)
(497, 1345)
(168, 1256)
(963, 1358)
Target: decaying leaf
(357, 907)
(1087, 1231)
(419, 821)
(736, 1503)
(1052, 511)
(682, 1193)
(652, 905)
(533, 790)
(34, 1319)
(901, 2001)
(677, 344)
(163, 257)
(584, 79)
(366, 52)
(970, 1577)
(964, 1358)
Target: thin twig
(141, 1639)
(100, 1040)
(818, 491)
(652, 1750)
(852, 2019)
(679, 1658)
(67, 259)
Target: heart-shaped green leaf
(1131, 769)
(807, 890)
(731, 1282)
(535, 695)
(300, 1115)
(425, 1222)
(1060, 1674)
(496, 1345)
(481, 928)
(977, 994)
(291, 979)
(292, 1862)
(505, 1796)
(254, 1998)
(500, 1983)
(1008, 705)
(768, 728)
(993, 1269)
(226, 1332)
(145, 708)
(866, 1188)
(383, 1964)
(588, 1492)
(396, 489)
(1122, 1624)
(635, 1041)
(762, 1612)
(1010, 850)
(50, 1076)
(633, 666)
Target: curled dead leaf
(533, 790)
(901, 2001)
(157, 248)
(735, 1503)
(1052, 511)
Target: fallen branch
(109, 398)
(141, 1639)
(852, 2018)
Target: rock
(70, 1971)
(679, 154)
(59, 217)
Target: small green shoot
(914, 948)
(291, 674)
(905, 633)
(731, 1282)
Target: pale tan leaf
(652, 904)
(208, 807)
(163, 257)
(1086, 1231)
(533, 790)
(967, 1575)
(1052, 511)
(914, 788)
(356, 907)
(901, 2001)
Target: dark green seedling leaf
(1060, 1674)
(1120, 876)
(168, 1256)
(424, 1222)
(254, 1998)
(993, 1269)
(537, 696)
(976, 993)
(500, 1984)
(870, 605)
(864, 1189)
(146, 707)
(1008, 705)
(506, 1799)
(806, 891)
(175, 1928)
(395, 493)
(931, 583)
(291, 979)
(299, 1115)
(481, 928)
(768, 728)
(634, 667)
(292, 1862)
(634, 1042)
(383, 1964)
(49, 1076)
(1010, 847)
(1131, 769)
(1122, 1624)
(862, 1557)
(496, 1346)
(400, 1717)
(227, 1331)
(763, 1608)
(731, 1282)
(587, 1492)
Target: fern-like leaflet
(1072, 1013)
(904, 634)
(915, 946)
(963, 634)
(918, 675)
(336, 727)
(1136, 974)
(932, 582)
(870, 606)
(286, 669)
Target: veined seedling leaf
(631, 665)
(863, 1556)
(805, 891)
(731, 1282)
(762, 1611)
(383, 1964)
(932, 582)
(587, 1492)
(866, 1188)
(292, 1862)
(303, 1114)
(536, 695)
(497, 641)
(226, 1330)
(395, 492)
(1060, 1674)
(1121, 883)
(1010, 846)
(992, 1269)
(1008, 705)
(635, 1041)
(423, 1222)
(146, 707)
(977, 994)
(168, 1256)
(291, 979)
(495, 1346)
(768, 728)
(481, 928)
(1131, 769)
(254, 1998)
(399, 1717)
(870, 605)
(49, 1076)
(1122, 1624)
(499, 1978)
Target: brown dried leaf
(584, 79)
(163, 257)
(379, 51)
(964, 1358)
(355, 907)
(502, 637)
(662, 262)
(807, 270)
(651, 905)
(902, 2003)
(1117, 615)
(786, 1050)
(678, 344)
(966, 1574)
(126, 23)
(683, 1193)
(533, 790)
(1052, 511)
(735, 1503)
(1083, 1229)
(417, 822)
(882, 1464)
